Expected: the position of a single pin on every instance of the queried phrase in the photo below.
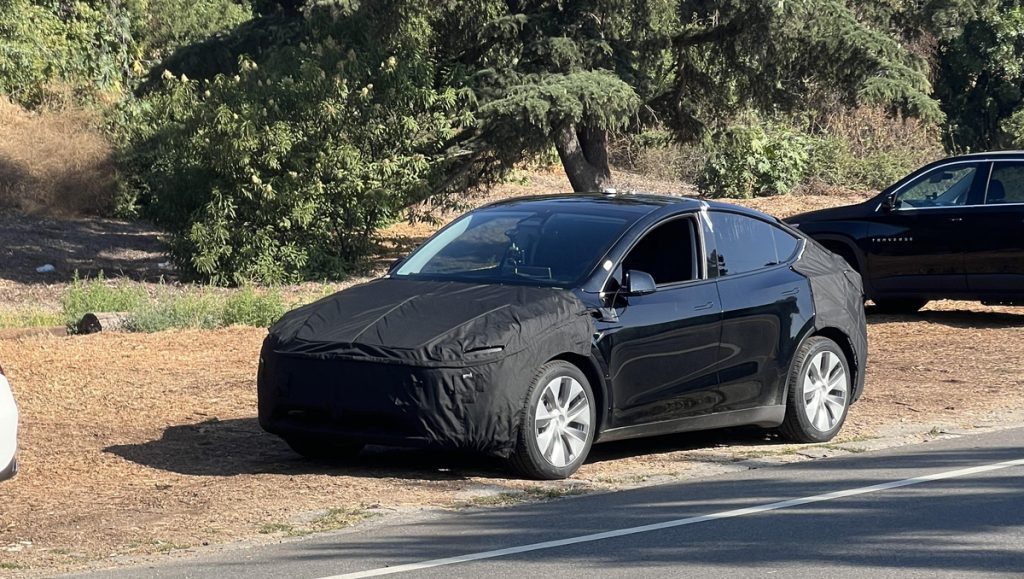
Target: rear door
(765, 308)
(919, 247)
(994, 236)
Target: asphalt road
(949, 508)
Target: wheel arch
(846, 345)
(845, 248)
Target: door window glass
(746, 243)
(1006, 184)
(785, 244)
(668, 253)
(947, 186)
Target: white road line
(679, 522)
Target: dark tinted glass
(667, 253)
(1006, 184)
(744, 243)
(785, 244)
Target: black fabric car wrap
(434, 363)
(838, 295)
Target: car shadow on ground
(962, 319)
(239, 446)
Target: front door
(918, 246)
(662, 350)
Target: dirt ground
(138, 445)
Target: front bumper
(474, 407)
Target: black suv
(953, 229)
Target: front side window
(1006, 184)
(746, 243)
(668, 253)
(948, 186)
(541, 247)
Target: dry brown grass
(54, 162)
(139, 444)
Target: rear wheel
(558, 423)
(819, 389)
(899, 306)
(323, 448)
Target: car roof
(983, 156)
(635, 204)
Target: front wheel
(557, 429)
(819, 389)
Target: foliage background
(273, 138)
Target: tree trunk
(584, 155)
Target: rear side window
(746, 244)
(1006, 184)
(786, 244)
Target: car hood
(425, 322)
(835, 213)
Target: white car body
(8, 430)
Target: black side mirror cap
(639, 283)
(889, 203)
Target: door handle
(706, 306)
(791, 292)
(955, 219)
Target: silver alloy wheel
(826, 387)
(562, 421)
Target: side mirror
(889, 203)
(638, 283)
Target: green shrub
(249, 308)
(285, 171)
(85, 296)
(866, 148)
(1013, 129)
(754, 158)
(29, 318)
(190, 310)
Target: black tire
(798, 426)
(899, 306)
(323, 448)
(529, 459)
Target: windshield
(544, 247)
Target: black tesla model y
(532, 328)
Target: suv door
(994, 236)
(662, 348)
(766, 306)
(917, 247)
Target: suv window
(1006, 184)
(667, 252)
(947, 186)
(747, 243)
